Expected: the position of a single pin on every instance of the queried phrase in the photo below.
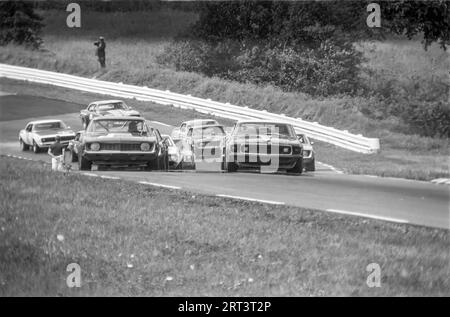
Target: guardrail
(344, 139)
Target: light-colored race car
(121, 141)
(181, 131)
(207, 142)
(267, 145)
(179, 157)
(309, 156)
(41, 134)
(106, 108)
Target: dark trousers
(102, 61)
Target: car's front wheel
(23, 145)
(36, 148)
(298, 167)
(84, 164)
(311, 167)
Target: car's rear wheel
(231, 167)
(298, 167)
(23, 145)
(84, 164)
(36, 148)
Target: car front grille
(120, 146)
(63, 138)
(265, 149)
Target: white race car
(41, 134)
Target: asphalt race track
(397, 200)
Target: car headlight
(95, 146)
(145, 147)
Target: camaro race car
(106, 108)
(121, 141)
(267, 145)
(207, 143)
(41, 134)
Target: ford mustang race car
(121, 141)
(41, 134)
(106, 108)
(267, 145)
(309, 160)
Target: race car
(309, 160)
(41, 134)
(121, 141)
(207, 143)
(181, 131)
(269, 146)
(106, 108)
(179, 157)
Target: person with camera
(100, 52)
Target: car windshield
(119, 126)
(257, 129)
(112, 106)
(49, 126)
(207, 132)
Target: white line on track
(252, 199)
(90, 174)
(159, 185)
(351, 213)
(334, 169)
(109, 177)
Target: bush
(19, 24)
(326, 70)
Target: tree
(19, 24)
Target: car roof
(207, 126)
(262, 122)
(102, 102)
(118, 118)
(44, 121)
(199, 121)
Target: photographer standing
(100, 52)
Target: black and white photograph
(225, 155)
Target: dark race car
(266, 145)
(121, 141)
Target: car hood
(266, 139)
(54, 132)
(117, 137)
(119, 112)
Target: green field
(150, 241)
(135, 39)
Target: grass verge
(152, 241)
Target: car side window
(189, 134)
(77, 136)
(29, 128)
(91, 107)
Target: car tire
(23, 145)
(298, 167)
(36, 148)
(84, 164)
(231, 167)
(311, 166)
